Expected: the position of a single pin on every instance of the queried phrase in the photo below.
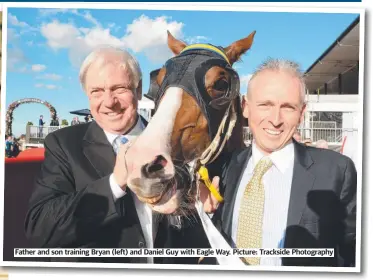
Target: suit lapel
(302, 183)
(101, 155)
(234, 175)
(98, 150)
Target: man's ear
(245, 107)
(139, 90)
(303, 111)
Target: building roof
(340, 57)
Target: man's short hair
(281, 65)
(101, 54)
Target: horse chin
(168, 203)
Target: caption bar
(116, 252)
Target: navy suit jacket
(322, 206)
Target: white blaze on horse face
(159, 130)
(155, 140)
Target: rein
(215, 148)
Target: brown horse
(197, 119)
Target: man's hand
(210, 203)
(122, 166)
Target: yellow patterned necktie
(249, 234)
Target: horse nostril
(157, 164)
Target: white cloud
(49, 12)
(15, 58)
(197, 39)
(23, 26)
(50, 87)
(53, 77)
(13, 20)
(59, 35)
(114, 27)
(78, 41)
(22, 69)
(88, 17)
(150, 36)
(38, 67)
(12, 35)
(144, 34)
(244, 80)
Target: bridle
(187, 70)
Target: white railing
(37, 134)
(333, 135)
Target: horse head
(197, 116)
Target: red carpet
(34, 154)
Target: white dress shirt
(144, 212)
(277, 184)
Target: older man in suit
(279, 193)
(81, 199)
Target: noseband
(187, 71)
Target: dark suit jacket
(72, 205)
(322, 206)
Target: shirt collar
(133, 133)
(282, 159)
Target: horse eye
(221, 85)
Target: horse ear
(238, 48)
(176, 46)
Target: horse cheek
(186, 145)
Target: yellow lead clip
(203, 172)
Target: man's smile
(273, 132)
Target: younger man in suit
(279, 193)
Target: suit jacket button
(141, 244)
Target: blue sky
(46, 46)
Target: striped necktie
(249, 233)
(121, 139)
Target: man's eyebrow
(271, 102)
(111, 87)
(94, 88)
(127, 86)
(289, 104)
(264, 102)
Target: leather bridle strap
(214, 149)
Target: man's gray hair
(108, 54)
(282, 65)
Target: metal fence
(315, 131)
(330, 133)
(36, 134)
